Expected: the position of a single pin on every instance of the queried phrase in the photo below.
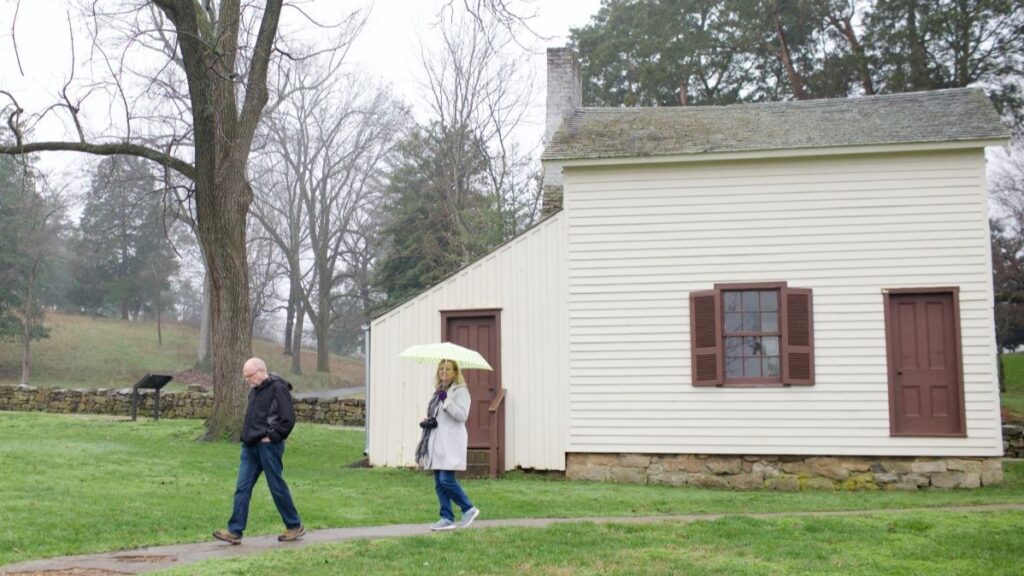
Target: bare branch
(14, 37)
(112, 149)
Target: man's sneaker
(468, 516)
(443, 524)
(227, 536)
(292, 534)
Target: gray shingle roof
(958, 114)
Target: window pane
(771, 345)
(752, 367)
(769, 301)
(752, 346)
(769, 321)
(733, 321)
(750, 301)
(733, 347)
(771, 366)
(751, 322)
(734, 368)
(731, 301)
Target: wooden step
(478, 463)
(478, 456)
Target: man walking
(269, 418)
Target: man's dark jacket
(270, 412)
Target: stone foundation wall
(788, 473)
(1013, 440)
(337, 411)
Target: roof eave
(570, 162)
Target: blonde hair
(458, 374)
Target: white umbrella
(434, 353)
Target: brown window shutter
(706, 338)
(797, 337)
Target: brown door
(479, 330)
(925, 389)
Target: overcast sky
(388, 48)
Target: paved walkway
(163, 557)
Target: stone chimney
(565, 96)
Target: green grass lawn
(79, 484)
(89, 352)
(910, 544)
(1013, 398)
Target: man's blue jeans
(448, 489)
(256, 459)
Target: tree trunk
(300, 315)
(845, 27)
(919, 77)
(203, 346)
(795, 81)
(159, 317)
(26, 351)
(222, 232)
(289, 321)
(323, 329)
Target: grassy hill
(85, 352)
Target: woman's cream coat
(447, 445)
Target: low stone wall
(788, 473)
(337, 411)
(1013, 440)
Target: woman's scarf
(423, 448)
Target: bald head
(255, 371)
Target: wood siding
(641, 239)
(525, 279)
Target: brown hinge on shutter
(797, 337)
(706, 338)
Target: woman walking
(443, 445)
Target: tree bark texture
(203, 348)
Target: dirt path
(162, 557)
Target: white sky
(388, 48)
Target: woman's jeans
(256, 459)
(448, 489)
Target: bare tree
(209, 144)
(479, 92)
(333, 138)
(278, 205)
(265, 270)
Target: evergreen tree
(439, 218)
(670, 52)
(10, 225)
(122, 258)
(31, 222)
(932, 44)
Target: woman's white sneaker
(443, 524)
(468, 516)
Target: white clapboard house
(774, 295)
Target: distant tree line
(672, 52)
